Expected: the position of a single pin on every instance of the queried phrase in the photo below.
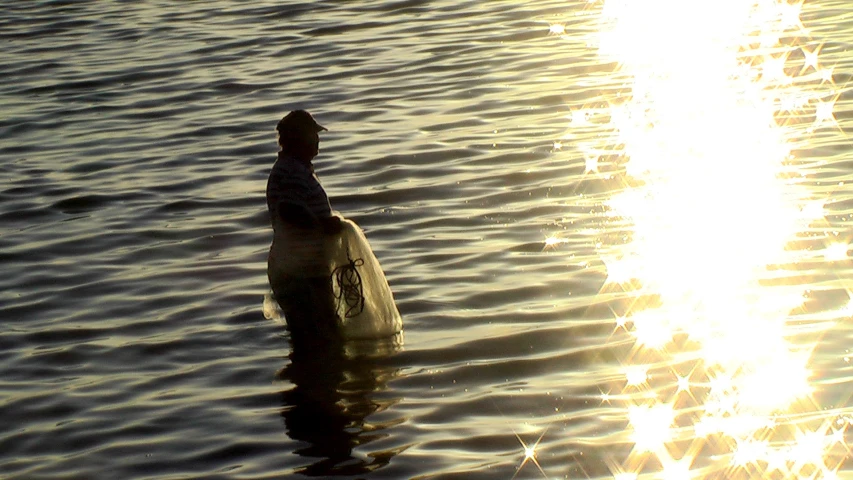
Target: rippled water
(136, 142)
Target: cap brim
(321, 128)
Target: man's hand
(331, 225)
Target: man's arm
(295, 214)
(298, 215)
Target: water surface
(137, 138)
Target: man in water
(302, 219)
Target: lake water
(613, 257)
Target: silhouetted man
(301, 218)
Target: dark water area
(136, 142)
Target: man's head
(298, 135)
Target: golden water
(617, 233)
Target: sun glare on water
(714, 98)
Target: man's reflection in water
(333, 392)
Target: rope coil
(350, 290)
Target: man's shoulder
(290, 171)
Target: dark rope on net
(350, 290)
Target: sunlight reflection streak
(714, 198)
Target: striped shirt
(296, 252)
(294, 182)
